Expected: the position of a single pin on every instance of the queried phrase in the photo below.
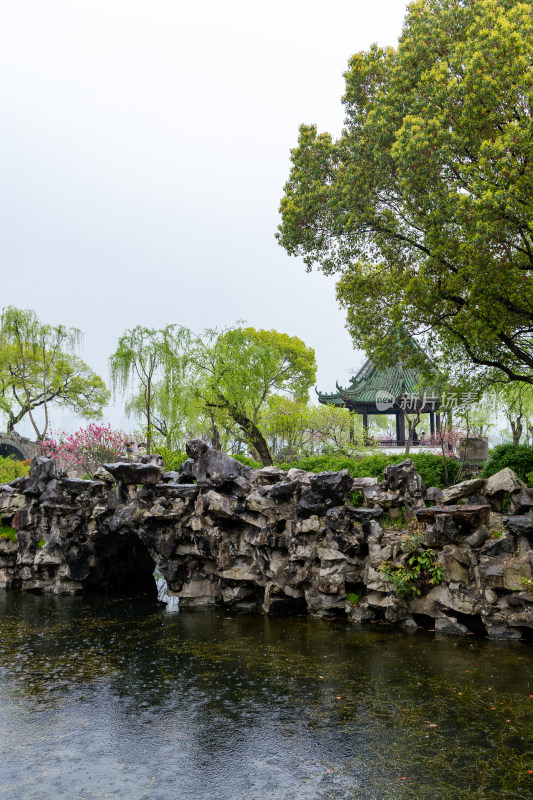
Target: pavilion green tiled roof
(369, 380)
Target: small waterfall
(163, 596)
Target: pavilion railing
(399, 443)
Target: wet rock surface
(223, 533)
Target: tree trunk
(215, 440)
(148, 418)
(412, 423)
(517, 429)
(253, 435)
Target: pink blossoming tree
(87, 448)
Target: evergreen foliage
(518, 457)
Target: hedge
(518, 457)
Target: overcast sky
(145, 148)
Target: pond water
(121, 698)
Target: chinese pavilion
(387, 390)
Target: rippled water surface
(123, 699)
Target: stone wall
(222, 533)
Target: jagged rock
(171, 476)
(212, 467)
(442, 532)
(521, 501)
(199, 592)
(326, 489)
(42, 470)
(267, 476)
(506, 480)
(186, 472)
(359, 613)
(376, 497)
(311, 505)
(19, 484)
(152, 458)
(478, 537)
(504, 545)
(300, 475)
(180, 490)
(135, 473)
(477, 499)
(461, 490)
(403, 478)
(320, 603)
(454, 597)
(333, 487)
(433, 495)
(101, 474)
(393, 606)
(240, 486)
(364, 483)
(456, 563)
(517, 571)
(520, 526)
(125, 518)
(450, 625)
(283, 490)
(506, 572)
(7, 546)
(75, 486)
(364, 514)
(221, 505)
(524, 619)
(375, 581)
(464, 516)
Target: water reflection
(120, 699)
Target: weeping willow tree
(146, 362)
(39, 366)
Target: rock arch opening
(124, 567)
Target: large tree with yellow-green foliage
(424, 205)
(234, 372)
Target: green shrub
(529, 479)
(367, 467)
(419, 570)
(352, 598)
(7, 532)
(357, 499)
(431, 469)
(173, 460)
(429, 465)
(10, 469)
(518, 457)
(249, 462)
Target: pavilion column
(401, 438)
(398, 426)
(432, 422)
(438, 423)
(365, 424)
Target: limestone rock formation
(223, 533)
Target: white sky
(145, 149)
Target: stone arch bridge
(18, 446)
